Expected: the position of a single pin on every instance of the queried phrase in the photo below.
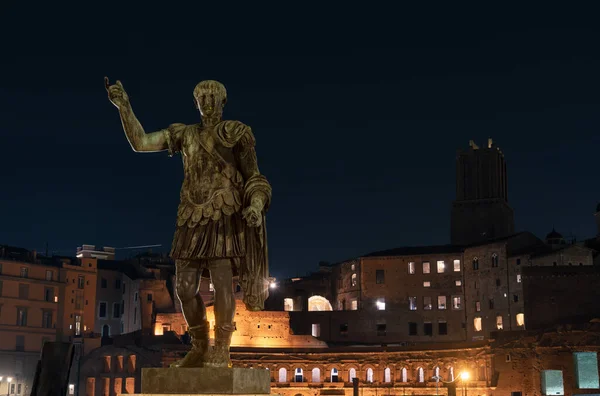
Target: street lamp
(9, 380)
(464, 376)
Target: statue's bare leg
(222, 279)
(194, 311)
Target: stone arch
(334, 375)
(319, 303)
(315, 375)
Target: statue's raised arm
(140, 141)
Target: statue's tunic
(220, 178)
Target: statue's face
(209, 103)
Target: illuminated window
(354, 280)
(458, 283)
(441, 267)
(427, 303)
(351, 374)
(412, 303)
(369, 375)
(316, 375)
(426, 267)
(520, 319)
(586, 370)
(436, 372)
(450, 373)
(387, 375)
(518, 278)
(477, 323)
(211, 287)
(456, 302)
(441, 302)
(316, 330)
(288, 304)
(477, 306)
(353, 267)
(411, 268)
(426, 284)
(499, 325)
(456, 265)
(404, 374)
(282, 375)
(354, 304)
(71, 389)
(420, 375)
(552, 382)
(381, 304)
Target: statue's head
(210, 97)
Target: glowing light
(272, 285)
(1, 377)
(55, 298)
(464, 375)
(9, 379)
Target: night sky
(358, 113)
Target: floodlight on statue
(464, 375)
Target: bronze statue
(221, 217)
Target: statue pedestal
(205, 381)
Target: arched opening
(436, 372)
(282, 375)
(404, 374)
(238, 288)
(387, 375)
(351, 374)
(369, 375)
(450, 373)
(319, 303)
(334, 375)
(316, 375)
(106, 331)
(354, 280)
(288, 304)
(420, 375)
(298, 375)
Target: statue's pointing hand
(117, 94)
(253, 216)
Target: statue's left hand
(253, 216)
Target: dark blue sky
(357, 112)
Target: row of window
(24, 292)
(22, 317)
(381, 328)
(442, 303)
(334, 375)
(477, 322)
(440, 266)
(24, 273)
(117, 311)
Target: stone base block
(205, 381)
